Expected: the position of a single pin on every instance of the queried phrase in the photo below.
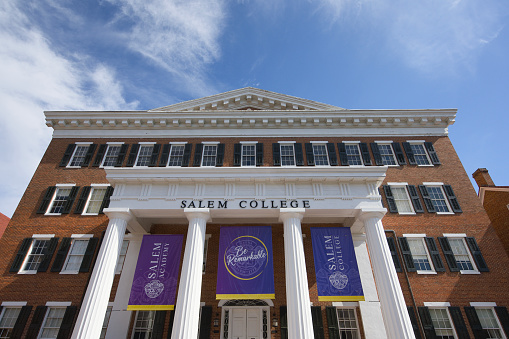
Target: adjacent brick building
(428, 259)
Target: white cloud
(34, 78)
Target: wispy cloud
(34, 78)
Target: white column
(394, 310)
(300, 323)
(95, 303)
(187, 310)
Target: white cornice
(83, 124)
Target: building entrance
(245, 319)
(246, 323)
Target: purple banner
(337, 274)
(155, 279)
(245, 269)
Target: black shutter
(409, 153)
(46, 199)
(158, 328)
(476, 253)
(89, 255)
(413, 320)
(187, 155)
(61, 255)
(376, 154)
(342, 154)
(310, 156)
(133, 154)
(407, 254)
(67, 323)
(165, 155)
(67, 155)
(398, 152)
(20, 256)
(416, 201)
(427, 323)
(394, 254)
(106, 199)
(332, 322)
(220, 155)
(459, 323)
(366, 158)
(82, 200)
(259, 154)
(283, 322)
(333, 158)
(197, 155)
(475, 324)
(503, 317)
(47, 255)
(70, 200)
(19, 326)
(432, 153)
(154, 155)
(427, 199)
(449, 255)
(121, 155)
(100, 155)
(237, 155)
(299, 156)
(390, 199)
(205, 319)
(316, 315)
(435, 255)
(37, 319)
(170, 326)
(453, 201)
(276, 154)
(89, 155)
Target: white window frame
(93, 187)
(324, 144)
(446, 199)
(442, 306)
(151, 330)
(357, 143)
(287, 143)
(247, 143)
(489, 306)
(78, 144)
(58, 186)
(11, 305)
(422, 237)
(388, 143)
(143, 143)
(110, 144)
(346, 306)
(52, 305)
(404, 186)
(122, 256)
(421, 142)
(179, 144)
(69, 252)
(44, 237)
(462, 237)
(106, 321)
(208, 143)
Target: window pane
(441, 322)
(9, 317)
(76, 253)
(60, 199)
(209, 155)
(386, 154)
(347, 323)
(79, 155)
(105, 322)
(36, 254)
(489, 322)
(176, 155)
(110, 159)
(437, 198)
(121, 257)
(96, 200)
(461, 254)
(144, 155)
(401, 199)
(419, 254)
(248, 155)
(52, 324)
(420, 154)
(287, 155)
(143, 325)
(320, 153)
(353, 154)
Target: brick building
(429, 261)
(4, 221)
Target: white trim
(319, 142)
(76, 236)
(83, 143)
(351, 142)
(286, 142)
(14, 303)
(147, 143)
(483, 304)
(224, 301)
(384, 141)
(178, 142)
(437, 304)
(345, 303)
(210, 142)
(416, 141)
(249, 142)
(58, 303)
(415, 235)
(434, 184)
(64, 185)
(454, 235)
(397, 183)
(43, 236)
(100, 185)
(114, 143)
(202, 303)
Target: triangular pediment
(248, 98)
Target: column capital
(203, 213)
(368, 213)
(118, 213)
(287, 213)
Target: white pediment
(248, 98)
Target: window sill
(426, 272)
(470, 272)
(406, 213)
(52, 214)
(445, 213)
(89, 213)
(430, 165)
(69, 272)
(27, 272)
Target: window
(248, 155)
(403, 198)
(287, 155)
(78, 155)
(439, 198)
(36, 254)
(176, 155)
(121, 257)
(144, 155)
(105, 322)
(420, 254)
(209, 155)
(63, 197)
(347, 321)
(111, 156)
(420, 153)
(387, 154)
(144, 324)
(52, 322)
(442, 323)
(76, 253)
(94, 199)
(320, 155)
(353, 154)
(463, 254)
(484, 320)
(205, 249)
(8, 317)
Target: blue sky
(142, 54)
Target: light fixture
(216, 320)
(274, 321)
